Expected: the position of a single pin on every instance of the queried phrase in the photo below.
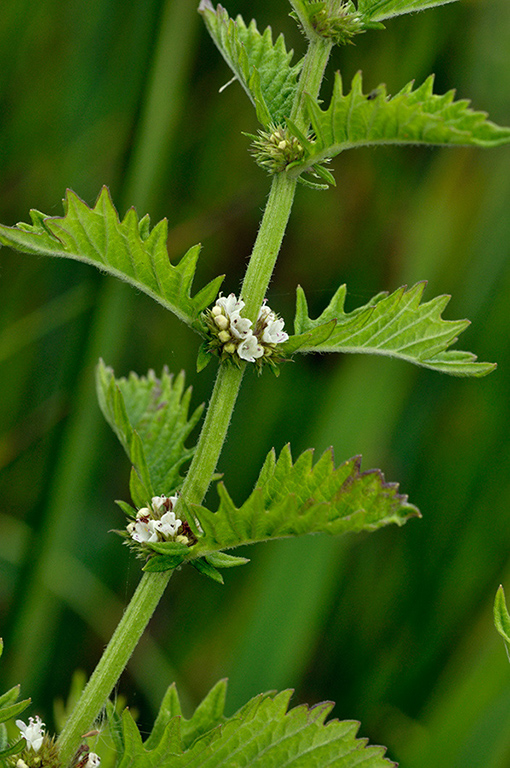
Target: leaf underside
(411, 117)
(127, 249)
(262, 733)
(395, 325)
(292, 499)
(378, 10)
(262, 67)
(150, 416)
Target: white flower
(265, 311)
(93, 760)
(273, 332)
(168, 525)
(240, 326)
(143, 529)
(33, 732)
(250, 349)
(230, 304)
(146, 527)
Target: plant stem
(213, 433)
(214, 430)
(268, 243)
(112, 662)
(311, 78)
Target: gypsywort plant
(166, 523)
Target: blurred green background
(395, 627)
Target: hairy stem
(112, 662)
(214, 430)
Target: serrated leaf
(261, 66)
(292, 499)
(265, 733)
(411, 117)
(136, 754)
(170, 708)
(395, 325)
(150, 416)
(124, 249)
(502, 618)
(206, 717)
(377, 10)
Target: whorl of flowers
(275, 149)
(159, 523)
(235, 337)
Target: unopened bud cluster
(159, 523)
(339, 27)
(235, 337)
(276, 149)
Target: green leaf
(222, 560)
(9, 708)
(160, 563)
(261, 66)
(9, 697)
(292, 499)
(263, 733)
(169, 709)
(206, 717)
(13, 710)
(115, 727)
(124, 249)
(150, 416)
(411, 117)
(206, 569)
(19, 746)
(395, 325)
(377, 10)
(502, 618)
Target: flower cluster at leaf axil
(41, 750)
(159, 523)
(236, 338)
(276, 149)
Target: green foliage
(410, 117)
(150, 417)
(262, 733)
(261, 66)
(377, 10)
(395, 325)
(502, 618)
(292, 499)
(127, 249)
(9, 709)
